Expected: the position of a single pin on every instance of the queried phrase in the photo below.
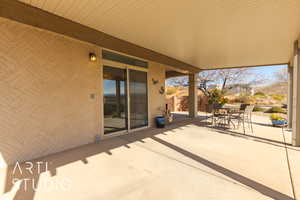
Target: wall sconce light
(93, 57)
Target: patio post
(290, 95)
(296, 97)
(193, 97)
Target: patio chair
(243, 106)
(244, 115)
(218, 117)
(248, 117)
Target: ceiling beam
(36, 17)
(263, 65)
(171, 74)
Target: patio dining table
(226, 114)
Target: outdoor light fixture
(93, 57)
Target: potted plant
(277, 120)
(165, 118)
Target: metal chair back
(249, 109)
(243, 106)
(217, 106)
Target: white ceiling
(204, 33)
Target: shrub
(276, 117)
(224, 100)
(277, 97)
(171, 90)
(258, 109)
(214, 96)
(276, 110)
(217, 96)
(259, 94)
(245, 99)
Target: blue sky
(268, 71)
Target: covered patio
(81, 83)
(185, 160)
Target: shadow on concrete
(262, 124)
(267, 191)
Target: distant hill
(276, 88)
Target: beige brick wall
(157, 100)
(45, 84)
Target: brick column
(296, 97)
(3, 172)
(290, 95)
(193, 97)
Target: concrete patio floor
(186, 160)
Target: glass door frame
(114, 64)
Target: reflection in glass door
(138, 99)
(115, 99)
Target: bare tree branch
(281, 75)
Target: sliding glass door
(123, 85)
(138, 99)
